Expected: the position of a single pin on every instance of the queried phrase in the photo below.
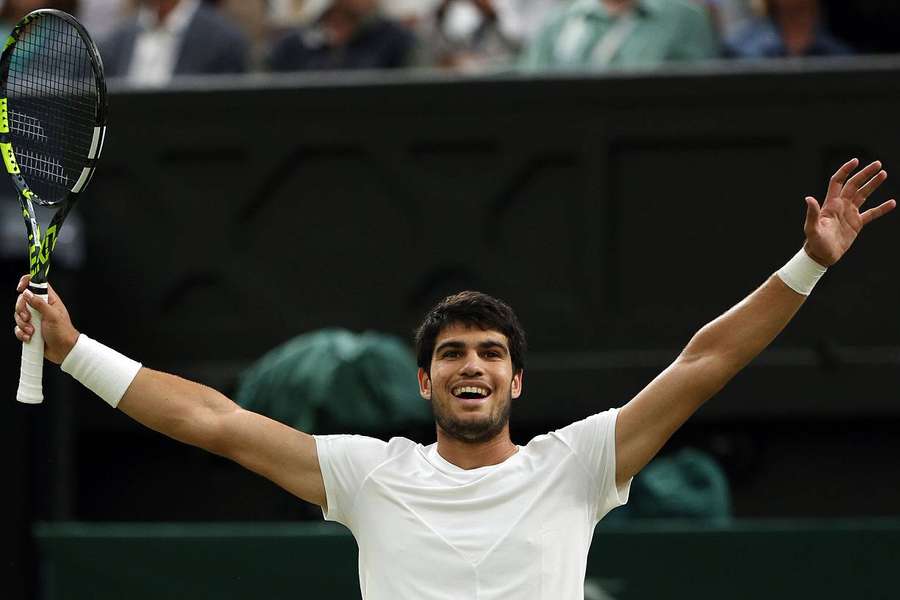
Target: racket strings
(53, 96)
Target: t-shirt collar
(596, 9)
(441, 463)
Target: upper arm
(714, 355)
(277, 452)
(198, 415)
(646, 423)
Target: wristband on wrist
(100, 369)
(801, 273)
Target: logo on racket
(39, 254)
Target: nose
(472, 366)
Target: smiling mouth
(470, 392)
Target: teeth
(471, 390)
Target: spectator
(611, 34)
(786, 28)
(102, 17)
(479, 34)
(253, 18)
(12, 11)
(411, 13)
(348, 34)
(465, 35)
(174, 37)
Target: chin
(472, 428)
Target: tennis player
(473, 516)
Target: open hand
(832, 228)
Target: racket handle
(31, 375)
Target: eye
(492, 354)
(450, 354)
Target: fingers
(20, 304)
(878, 212)
(22, 336)
(23, 283)
(856, 182)
(23, 327)
(836, 184)
(36, 302)
(870, 186)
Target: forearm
(739, 335)
(183, 410)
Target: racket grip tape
(31, 374)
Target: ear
(424, 384)
(516, 386)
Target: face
(472, 384)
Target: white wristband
(801, 273)
(100, 369)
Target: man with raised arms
(473, 516)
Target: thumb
(52, 296)
(37, 303)
(812, 212)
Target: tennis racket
(52, 124)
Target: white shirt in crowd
(429, 530)
(158, 43)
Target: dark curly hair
(474, 309)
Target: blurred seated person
(465, 35)
(474, 35)
(257, 20)
(12, 11)
(617, 34)
(785, 28)
(166, 38)
(410, 13)
(102, 17)
(347, 34)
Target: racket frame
(40, 247)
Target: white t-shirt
(429, 530)
(158, 44)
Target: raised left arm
(724, 346)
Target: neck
(165, 8)
(798, 26)
(472, 455)
(618, 7)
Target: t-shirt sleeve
(593, 441)
(345, 462)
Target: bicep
(647, 422)
(279, 453)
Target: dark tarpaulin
(337, 381)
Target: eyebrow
(481, 345)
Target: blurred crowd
(150, 41)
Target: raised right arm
(193, 413)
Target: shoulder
(574, 435)
(209, 20)
(360, 447)
(594, 424)
(679, 9)
(125, 32)
(557, 15)
(387, 30)
(757, 39)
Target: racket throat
(39, 288)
